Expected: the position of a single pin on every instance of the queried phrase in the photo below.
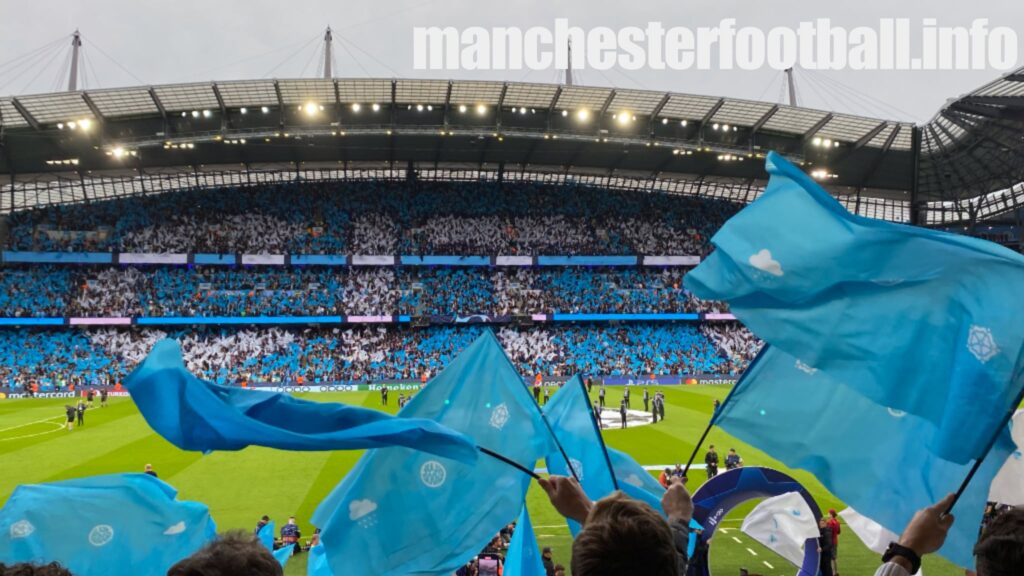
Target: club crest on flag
(981, 343)
(577, 467)
(101, 535)
(433, 474)
(22, 529)
(499, 416)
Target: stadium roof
(75, 146)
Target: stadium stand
(375, 217)
(53, 359)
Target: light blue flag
(266, 535)
(316, 562)
(405, 512)
(873, 458)
(283, 553)
(601, 470)
(572, 420)
(196, 415)
(636, 483)
(916, 320)
(523, 557)
(103, 525)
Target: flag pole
(999, 430)
(714, 417)
(510, 462)
(600, 437)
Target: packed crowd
(381, 217)
(309, 291)
(58, 358)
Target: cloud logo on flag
(763, 261)
(359, 508)
(981, 343)
(176, 529)
(101, 535)
(896, 413)
(22, 529)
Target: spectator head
(1000, 550)
(265, 518)
(832, 513)
(27, 569)
(291, 519)
(148, 468)
(546, 552)
(559, 570)
(823, 522)
(624, 536)
(232, 553)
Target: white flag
(875, 536)
(782, 523)
(1008, 486)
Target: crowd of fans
(58, 358)
(381, 217)
(309, 291)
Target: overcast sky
(190, 40)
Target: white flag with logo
(875, 536)
(782, 523)
(1008, 485)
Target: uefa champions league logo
(499, 416)
(433, 474)
(981, 343)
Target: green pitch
(239, 487)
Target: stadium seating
(55, 358)
(381, 217)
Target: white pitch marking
(723, 530)
(58, 425)
(770, 567)
(751, 552)
(738, 541)
(29, 423)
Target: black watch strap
(904, 552)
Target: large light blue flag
(916, 320)
(405, 512)
(572, 421)
(523, 557)
(283, 553)
(266, 535)
(874, 458)
(196, 415)
(103, 525)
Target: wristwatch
(904, 552)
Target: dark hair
(624, 536)
(266, 518)
(1000, 551)
(232, 553)
(27, 569)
